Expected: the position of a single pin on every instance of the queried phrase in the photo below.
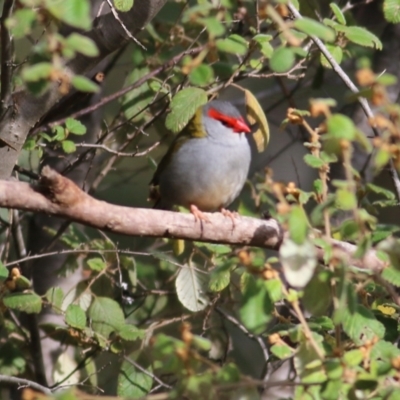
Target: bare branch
(25, 383)
(60, 197)
(146, 372)
(118, 153)
(116, 16)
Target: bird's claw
(198, 215)
(230, 214)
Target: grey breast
(206, 172)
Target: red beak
(241, 126)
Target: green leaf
(30, 303)
(341, 127)
(75, 317)
(131, 333)
(362, 37)
(132, 383)
(68, 146)
(214, 27)
(371, 187)
(37, 72)
(21, 22)
(202, 75)
(191, 288)
(298, 262)
(22, 283)
(74, 126)
(338, 13)
(391, 275)
(349, 230)
(55, 296)
(183, 106)
(256, 306)
(82, 44)
(346, 200)
(135, 101)
(123, 5)
(391, 11)
(219, 280)
(201, 343)
(282, 351)
(96, 264)
(233, 44)
(335, 51)
(228, 373)
(3, 272)
(386, 79)
(313, 161)
(282, 59)
(13, 359)
(382, 157)
(106, 316)
(353, 357)
(308, 365)
(298, 224)
(30, 144)
(315, 28)
(362, 325)
(84, 84)
(215, 248)
(72, 12)
(264, 44)
(274, 289)
(391, 247)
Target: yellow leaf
(255, 115)
(386, 310)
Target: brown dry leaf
(255, 115)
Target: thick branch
(58, 196)
(26, 110)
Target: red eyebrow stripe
(237, 124)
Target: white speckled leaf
(191, 287)
(298, 261)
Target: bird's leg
(230, 214)
(198, 215)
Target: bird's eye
(224, 123)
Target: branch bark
(59, 196)
(26, 110)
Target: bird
(206, 166)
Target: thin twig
(118, 153)
(18, 235)
(21, 382)
(126, 30)
(112, 159)
(140, 368)
(76, 251)
(235, 322)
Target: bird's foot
(230, 214)
(198, 215)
